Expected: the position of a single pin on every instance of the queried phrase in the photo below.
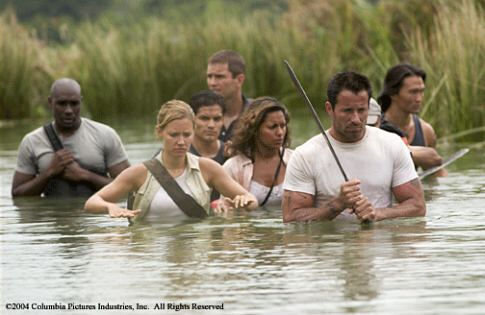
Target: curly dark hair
(247, 128)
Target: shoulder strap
(184, 201)
(418, 132)
(282, 153)
(53, 138)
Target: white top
(380, 160)
(260, 191)
(163, 208)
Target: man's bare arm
(33, 185)
(410, 198)
(425, 157)
(116, 169)
(298, 206)
(29, 185)
(430, 139)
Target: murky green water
(53, 252)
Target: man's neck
(67, 132)
(234, 105)
(206, 149)
(401, 119)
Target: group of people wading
(224, 151)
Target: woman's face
(177, 136)
(273, 130)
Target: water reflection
(51, 250)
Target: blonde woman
(197, 176)
(260, 150)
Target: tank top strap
(219, 158)
(418, 139)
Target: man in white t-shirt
(378, 164)
(86, 153)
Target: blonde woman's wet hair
(173, 110)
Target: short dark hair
(348, 80)
(394, 79)
(235, 62)
(206, 98)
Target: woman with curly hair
(260, 150)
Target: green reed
(21, 70)
(129, 69)
(454, 58)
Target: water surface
(53, 252)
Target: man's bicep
(429, 135)
(116, 169)
(299, 175)
(114, 150)
(26, 160)
(408, 190)
(19, 179)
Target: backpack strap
(184, 201)
(53, 138)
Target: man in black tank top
(401, 101)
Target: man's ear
(50, 102)
(240, 78)
(328, 108)
(393, 98)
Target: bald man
(77, 159)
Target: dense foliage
(128, 64)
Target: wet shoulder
(135, 174)
(209, 169)
(429, 133)
(383, 135)
(311, 144)
(237, 160)
(36, 136)
(386, 141)
(97, 127)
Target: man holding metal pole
(378, 164)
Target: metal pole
(299, 87)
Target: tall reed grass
(454, 58)
(130, 69)
(21, 71)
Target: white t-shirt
(380, 160)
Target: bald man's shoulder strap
(53, 138)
